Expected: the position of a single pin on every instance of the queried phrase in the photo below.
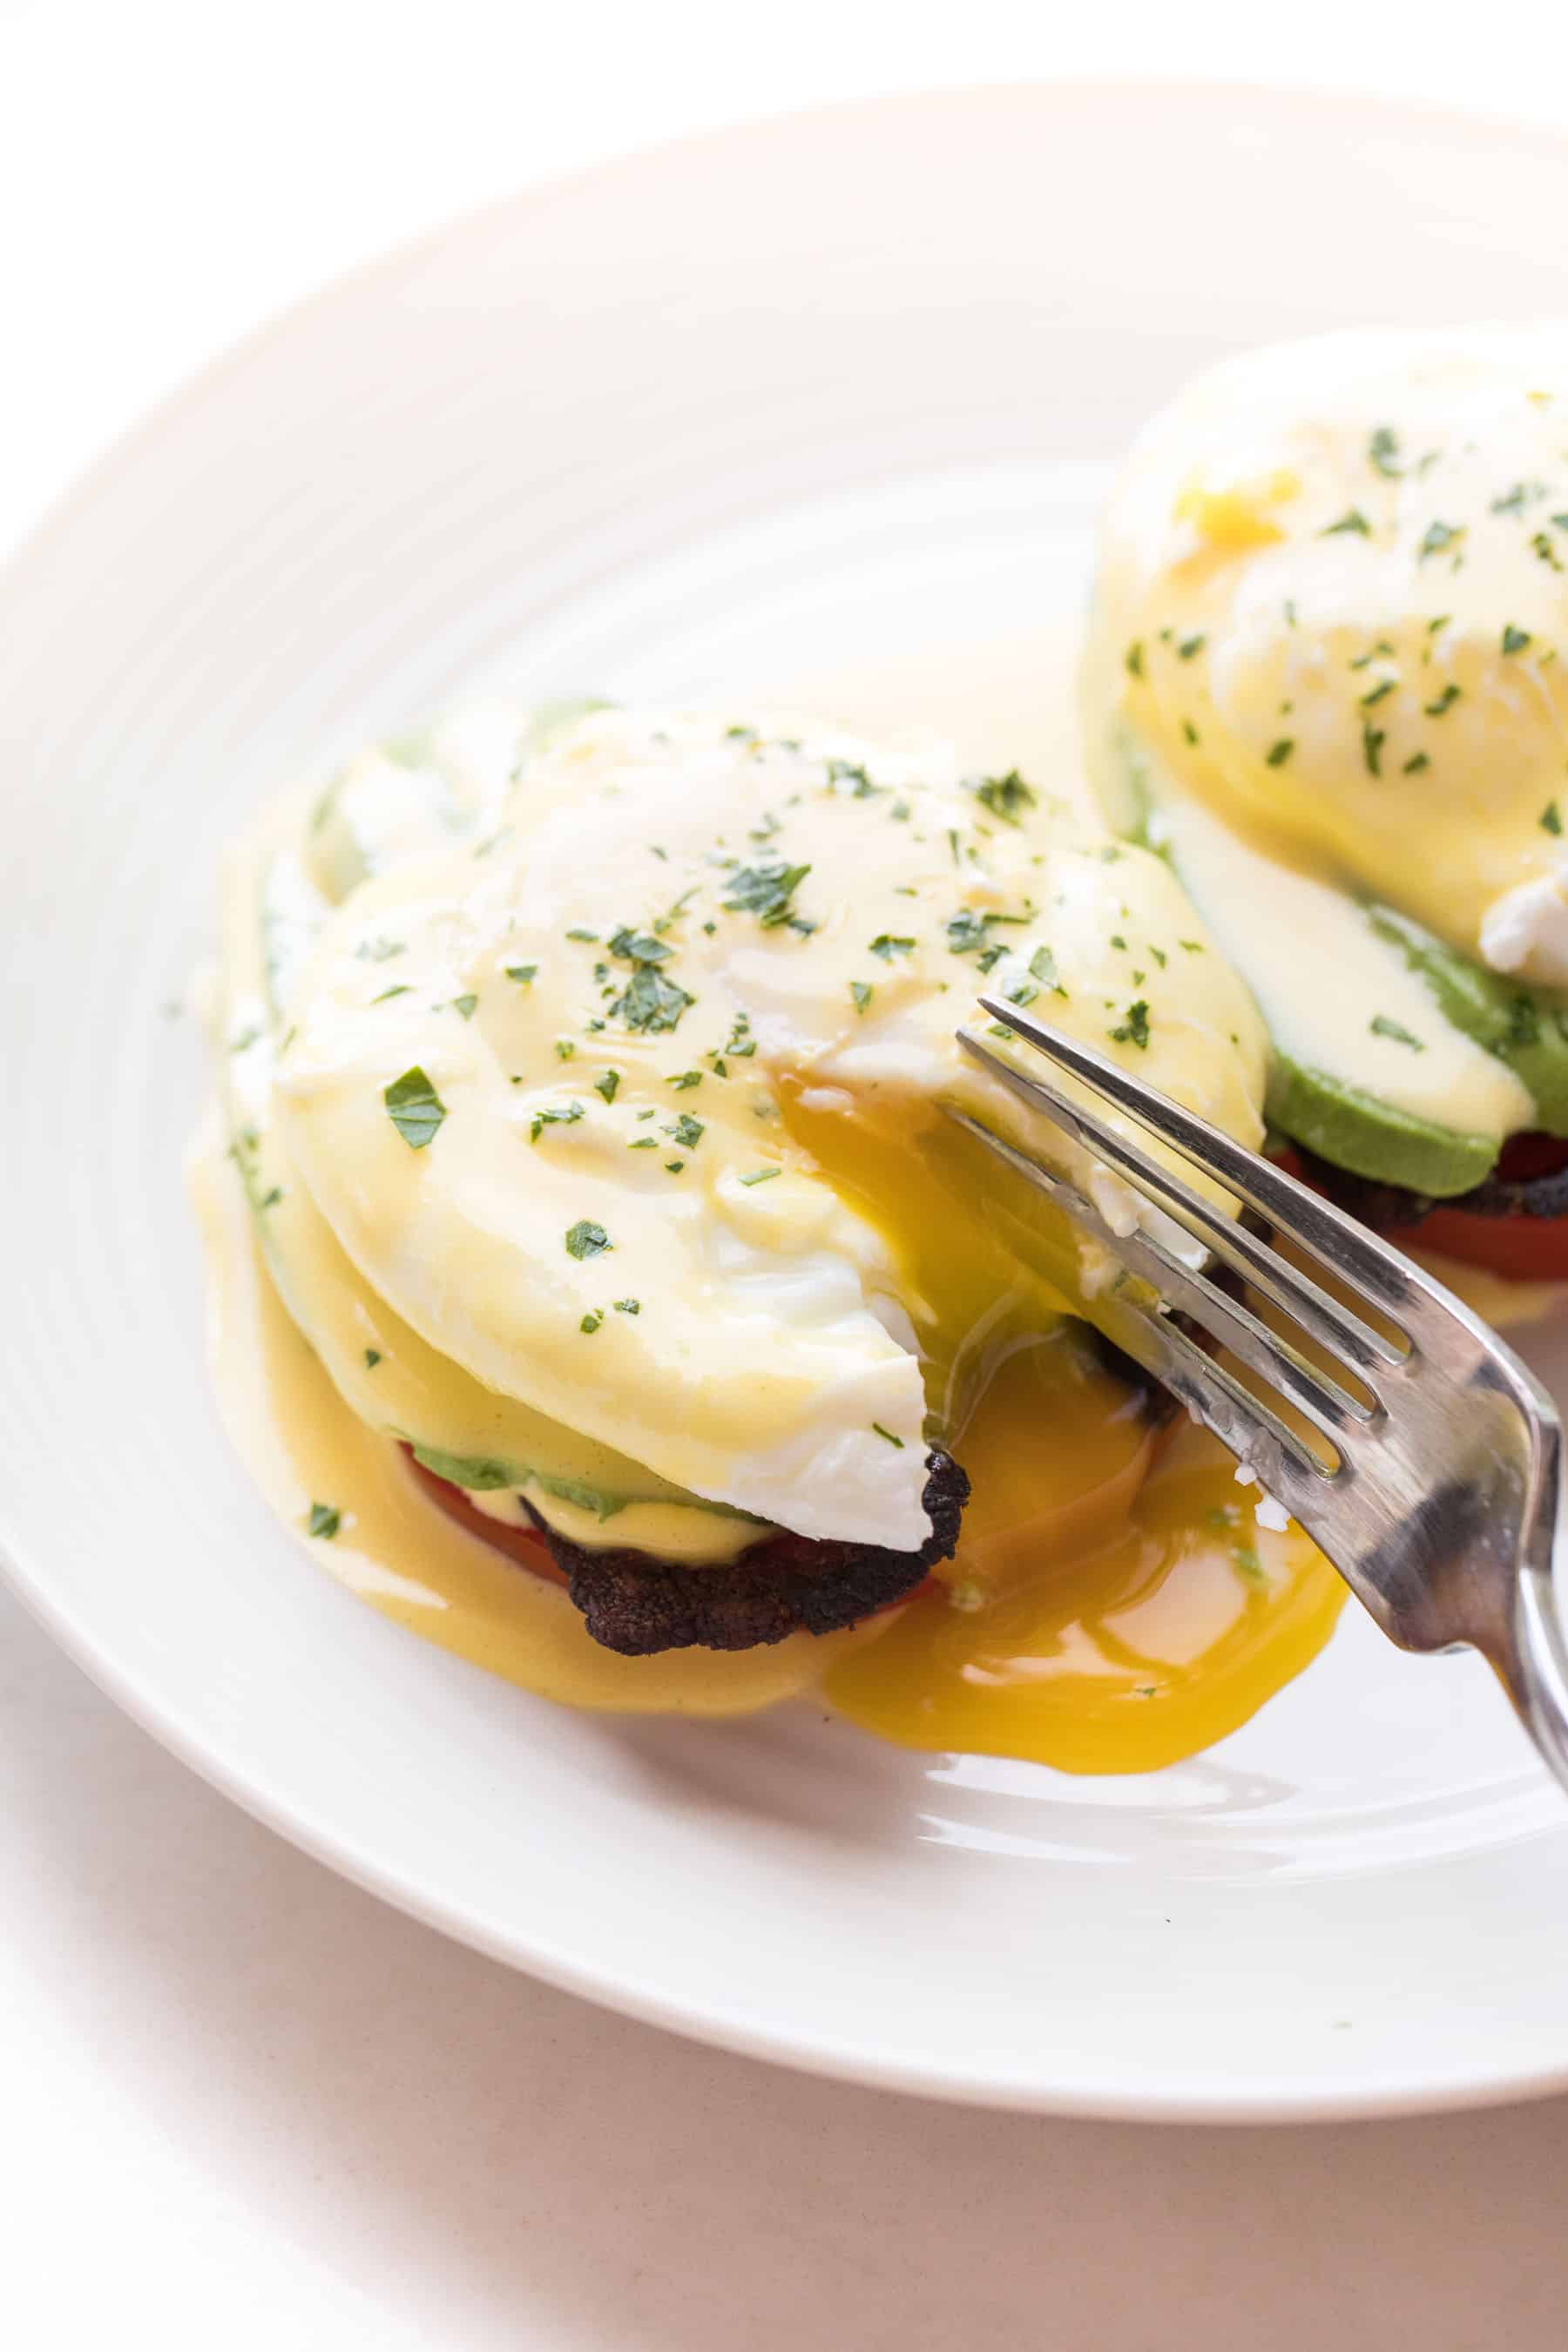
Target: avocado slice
(1526, 1027)
(1351, 1129)
(1393, 1057)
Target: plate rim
(1285, 2097)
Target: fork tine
(1323, 1401)
(1286, 1467)
(1399, 1288)
(1343, 1333)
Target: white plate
(752, 403)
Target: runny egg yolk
(1113, 1606)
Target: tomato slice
(525, 1546)
(1524, 1249)
(1506, 1241)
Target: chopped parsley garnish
(605, 1084)
(1247, 1562)
(888, 1436)
(1375, 693)
(1134, 1030)
(590, 937)
(1444, 702)
(271, 1200)
(1514, 641)
(553, 1115)
(1278, 753)
(683, 1079)
(1187, 646)
(372, 1358)
(402, 989)
(1382, 1026)
(523, 973)
(591, 1320)
(761, 1175)
(1135, 660)
(465, 1005)
(1551, 818)
(638, 947)
(1413, 765)
(1004, 796)
(413, 1107)
(1352, 520)
(325, 1519)
(586, 1239)
(627, 1305)
(674, 1167)
(687, 1131)
(564, 1049)
(1043, 964)
(888, 946)
(1437, 537)
(651, 1004)
(860, 994)
(849, 772)
(740, 1041)
(1382, 453)
(1541, 546)
(1189, 732)
(1373, 740)
(765, 891)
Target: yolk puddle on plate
(1139, 1636)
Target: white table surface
(243, 2104)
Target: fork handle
(1533, 1666)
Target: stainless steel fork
(1435, 1493)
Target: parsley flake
(1278, 753)
(585, 1239)
(765, 891)
(523, 973)
(1134, 1030)
(860, 994)
(1437, 537)
(1352, 520)
(605, 1084)
(1382, 1026)
(372, 1358)
(886, 946)
(465, 1005)
(1004, 796)
(888, 1436)
(1514, 640)
(761, 1175)
(553, 1115)
(1550, 818)
(325, 1519)
(413, 1107)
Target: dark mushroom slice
(637, 1604)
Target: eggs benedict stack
(1326, 680)
(586, 1074)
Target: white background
(242, 2103)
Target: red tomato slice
(1520, 1247)
(1525, 1249)
(526, 1546)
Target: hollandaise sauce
(1116, 1602)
